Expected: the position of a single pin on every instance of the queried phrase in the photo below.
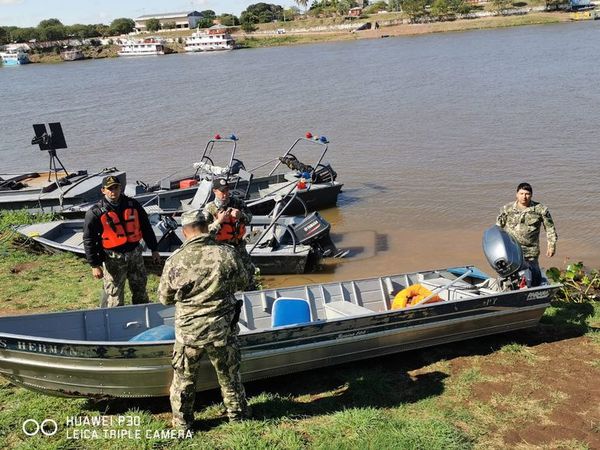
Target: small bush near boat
(579, 284)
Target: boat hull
(40, 195)
(67, 236)
(110, 366)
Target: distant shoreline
(307, 37)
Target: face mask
(221, 203)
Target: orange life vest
(231, 230)
(114, 233)
(413, 295)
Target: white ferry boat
(150, 46)
(14, 58)
(211, 39)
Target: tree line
(54, 30)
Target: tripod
(53, 167)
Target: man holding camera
(230, 218)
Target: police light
(308, 135)
(324, 140)
(217, 136)
(233, 137)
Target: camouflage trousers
(118, 268)
(186, 363)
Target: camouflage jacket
(200, 278)
(234, 202)
(525, 225)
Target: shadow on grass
(379, 382)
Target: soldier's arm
(147, 231)
(214, 226)
(551, 234)
(166, 292)
(246, 214)
(232, 270)
(501, 219)
(92, 241)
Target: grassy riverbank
(530, 389)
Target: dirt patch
(559, 378)
(22, 267)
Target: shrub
(578, 284)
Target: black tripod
(51, 142)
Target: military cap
(195, 216)
(220, 183)
(110, 181)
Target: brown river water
(430, 134)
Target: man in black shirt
(112, 233)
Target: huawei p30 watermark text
(100, 427)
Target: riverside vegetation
(534, 388)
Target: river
(430, 134)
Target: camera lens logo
(48, 427)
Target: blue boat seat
(159, 333)
(290, 311)
(476, 273)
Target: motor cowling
(505, 256)
(314, 230)
(502, 251)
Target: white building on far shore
(180, 20)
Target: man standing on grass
(523, 219)
(200, 278)
(112, 232)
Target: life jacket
(413, 295)
(116, 232)
(231, 230)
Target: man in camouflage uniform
(523, 219)
(226, 208)
(200, 278)
(112, 231)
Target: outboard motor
(505, 255)
(314, 230)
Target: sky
(28, 13)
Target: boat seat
(290, 311)
(476, 273)
(200, 198)
(159, 333)
(335, 310)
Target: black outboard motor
(505, 255)
(314, 230)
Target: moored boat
(54, 189)
(45, 191)
(144, 47)
(13, 58)
(71, 55)
(287, 245)
(91, 353)
(214, 38)
(320, 189)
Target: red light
(217, 136)
(308, 135)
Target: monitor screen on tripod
(49, 141)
